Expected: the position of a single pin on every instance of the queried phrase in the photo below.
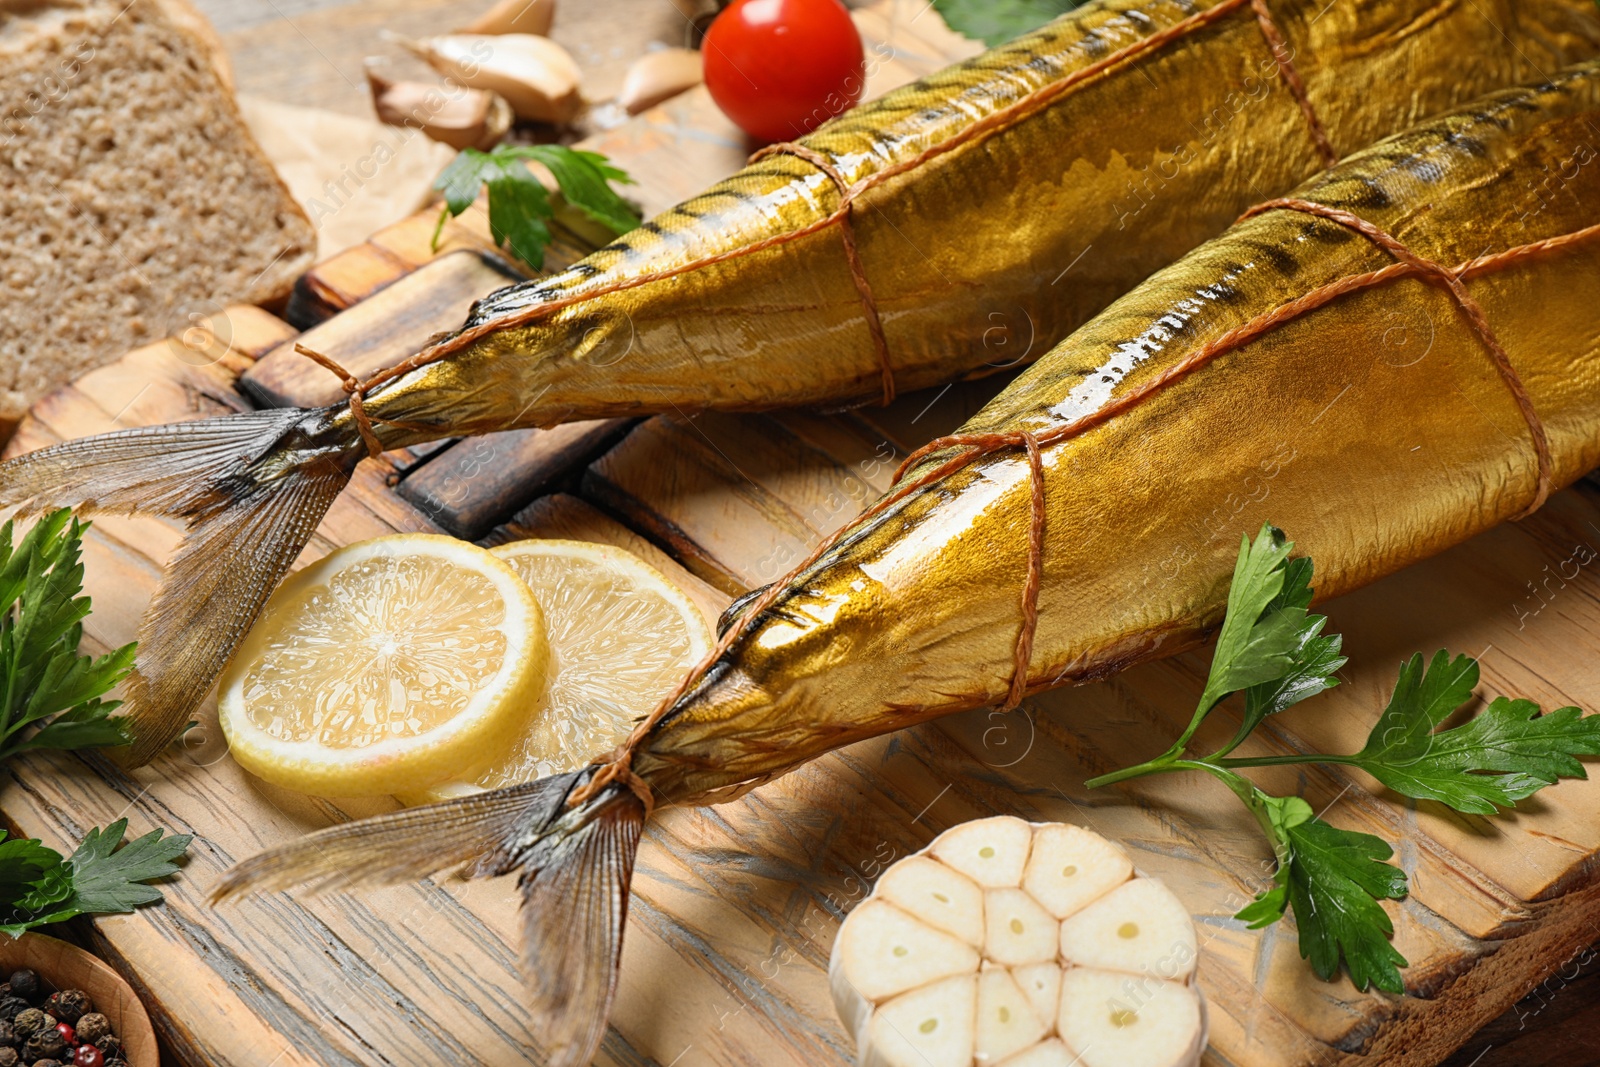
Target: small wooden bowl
(63, 966)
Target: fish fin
(252, 488)
(574, 910)
(575, 864)
(159, 470)
(401, 846)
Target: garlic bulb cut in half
(1013, 944)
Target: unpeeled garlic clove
(659, 75)
(537, 77)
(516, 16)
(453, 115)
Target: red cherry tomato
(781, 68)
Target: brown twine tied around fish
(848, 191)
(990, 124)
(1470, 308)
(1284, 57)
(852, 256)
(356, 389)
(968, 448)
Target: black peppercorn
(111, 1045)
(10, 1007)
(24, 983)
(8, 1036)
(44, 1045)
(30, 1021)
(9, 1057)
(91, 1028)
(69, 1005)
(47, 1063)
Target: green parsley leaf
(1333, 880)
(1422, 699)
(44, 682)
(107, 880)
(1507, 752)
(995, 22)
(461, 180)
(1260, 634)
(1312, 661)
(23, 862)
(582, 178)
(37, 887)
(520, 206)
(1336, 878)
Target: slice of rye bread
(132, 196)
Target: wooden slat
(386, 328)
(471, 486)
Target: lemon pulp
(388, 665)
(620, 637)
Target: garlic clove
(537, 77)
(1017, 931)
(1140, 927)
(937, 895)
(1048, 1053)
(1006, 1021)
(658, 76)
(884, 951)
(1071, 866)
(1041, 984)
(1116, 1020)
(516, 16)
(452, 115)
(992, 852)
(928, 1027)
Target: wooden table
(735, 907)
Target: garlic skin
(516, 16)
(452, 115)
(659, 76)
(1082, 961)
(537, 77)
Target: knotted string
(852, 257)
(1470, 308)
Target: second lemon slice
(388, 665)
(621, 635)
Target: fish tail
(251, 487)
(575, 865)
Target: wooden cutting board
(735, 907)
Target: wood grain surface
(735, 907)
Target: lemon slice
(390, 664)
(621, 635)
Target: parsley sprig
(520, 206)
(1273, 650)
(50, 696)
(38, 886)
(994, 22)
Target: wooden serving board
(735, 907)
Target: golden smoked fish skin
(984, 256)
(1373, 453)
